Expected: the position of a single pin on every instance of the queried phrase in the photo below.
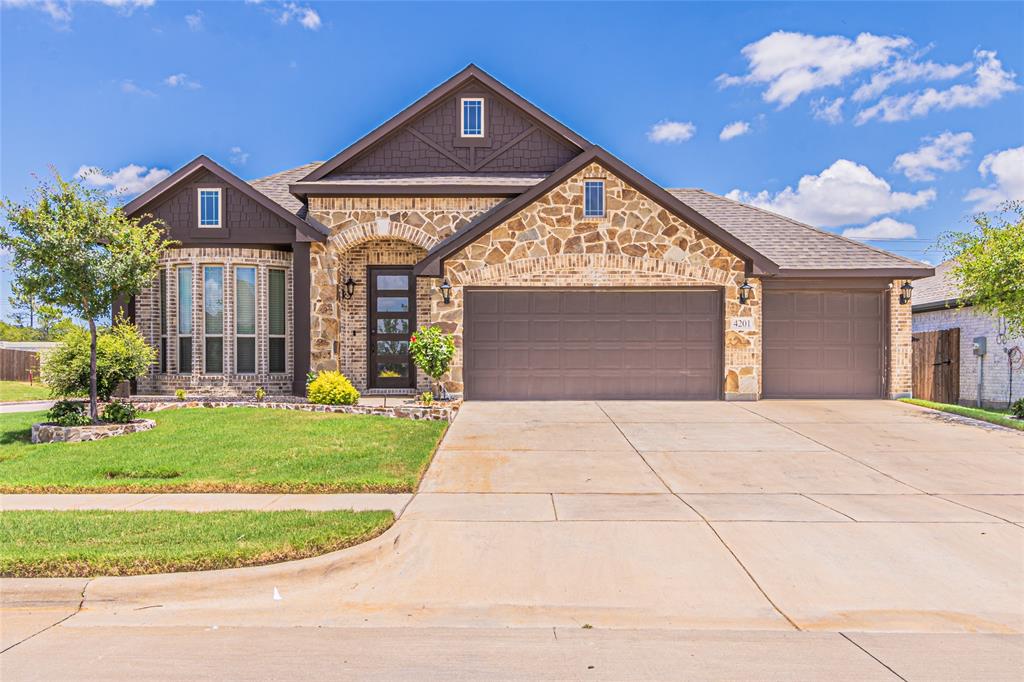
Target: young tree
(989, 264)
(72, 251)
(23, 306)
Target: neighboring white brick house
(935, 308)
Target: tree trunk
(93, 407)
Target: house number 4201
(742, 324)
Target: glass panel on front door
(392, 317)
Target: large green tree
(71, 250)
(988, 264)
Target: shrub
(311, 377)
(332, 388)
(180, 395)
(432, 351)
(1018, 409)
(68, 413)
(427, 398)
(261, 393)
(120, 412)
(121, 355)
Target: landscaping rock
(55, 433)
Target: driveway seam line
(828, 507)
(967, 506)
(81, 602)
(554, 507)
(838, 452)
(638, 453)
(876, 658)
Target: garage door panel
(823, 344)
(593, 344)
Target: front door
(392, 316)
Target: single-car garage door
(824, 344)
(545, 344)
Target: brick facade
(997, 373)
(147, 315)
(901, 352)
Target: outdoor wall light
(350, 289)
(905, 291)
(446, 291)
(745, 290)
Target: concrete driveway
(847, 517)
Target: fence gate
(16, 364)
(937, 366)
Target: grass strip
(37, 544)
(991, 416)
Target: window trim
(462, 118)
(255, 322)
(223, 320)
(191, 315)
(199, 206)
(284, 334)
(587, 214)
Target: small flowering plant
(432, 351)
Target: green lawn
(88, 543)
(1001, 417)
(234, 449)
(20, 391)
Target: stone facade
(230, 382)
(637, 243)
(366, 232)
(55, 433)
(996, 371)
(406, 409)
(901, 351)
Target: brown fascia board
(908, 272)
(304, 189)
(471, 72)
(305, 230)
(430, 266)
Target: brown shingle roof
(276, 186)
(938, 288)
(791, 244)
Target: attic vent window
(209, 208)
(593, 199)
(472, 117)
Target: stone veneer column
(901, 352)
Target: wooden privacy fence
(937, 366)
(15, 364)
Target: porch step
(408, 392)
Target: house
(997, 374)
(562, 272)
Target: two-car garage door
(549, 344)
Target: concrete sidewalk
(208, 502)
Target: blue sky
(898, 118)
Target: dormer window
(593, 199)
(472, 117)
(209, 207)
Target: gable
(425, 138)
(431, 142)
(242, 219)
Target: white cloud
(129, 180)
(195, 21)
(734, 130)
(129, 87)
(238, 156)
(181, 80)
(828, 110)
(991, 82)
(793, 64)
(61, 10)
(285, 12)
(1007, 170)
(907, 70)
(886, 228)
(943, 153)
(671, 131)
(845, 193)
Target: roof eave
(304, 189)
(946, 304)
(889, 272)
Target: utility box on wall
(980, 346)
